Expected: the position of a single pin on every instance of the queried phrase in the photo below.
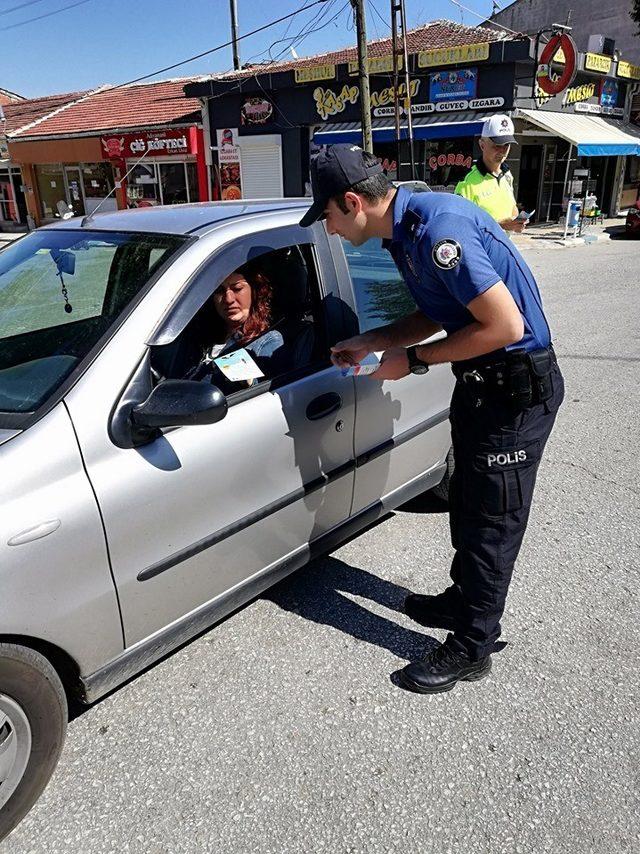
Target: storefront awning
(433, 126)
(594, 136)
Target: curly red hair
(259, 318)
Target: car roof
(180, 219)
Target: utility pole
(234, 33)
(399, 34)
(363, 75)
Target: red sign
(450, 160)
(255, 111)
(152, 143)
(549, 84)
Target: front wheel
(33, 724)
(442, 489)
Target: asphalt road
(281, 731)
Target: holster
(541, 364)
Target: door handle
(323, 405)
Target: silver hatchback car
(148, 487)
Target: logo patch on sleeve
(446, 254)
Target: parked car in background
(138, 507)
(632, 224)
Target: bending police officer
(467, 278)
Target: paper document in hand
(360, 370)
(238, 366)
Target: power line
(40, 17)
(212, 50)
(20, 6)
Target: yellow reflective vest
(494, 195)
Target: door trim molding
(150, 650)
(275, 506)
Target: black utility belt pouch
(519, 385)
(541, 364)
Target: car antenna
(87, 219)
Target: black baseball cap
(334, 170)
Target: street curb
(580, 241)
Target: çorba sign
(159, 144)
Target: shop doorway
(74, 188)
(529, 180)
(18, 194)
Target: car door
(402, 429)
(201, 510)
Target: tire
(33, 724)
(441, 491)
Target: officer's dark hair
(372, 189)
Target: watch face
(419, 369)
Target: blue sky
(113, 41)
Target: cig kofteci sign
(150, 143)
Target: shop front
(162, 167)
(262, 121)
(82, 175)
(577, 143)
(13, 207)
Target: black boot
(436, 612)
(441, 669)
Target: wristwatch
(416, 365)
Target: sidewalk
(553, 232)
(8, 236)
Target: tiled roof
(137, 105)
(431, 35)
(7, 97)
(21, 113)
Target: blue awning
(433, 126)
(593, 136)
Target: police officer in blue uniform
(467, 278)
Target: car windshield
(60, 291)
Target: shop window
(142, 186)
(98, 180)
(173, 183)
(50, 178)
(381, 294)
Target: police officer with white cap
(467, 278)
(489, 184)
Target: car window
(381, 294)
(60, 291)
(269, 308)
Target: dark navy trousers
(497, 453)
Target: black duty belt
(520, 377)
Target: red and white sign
(551, 83)
(450, 160)
(152, 143)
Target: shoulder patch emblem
(446, 254)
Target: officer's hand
(516, 225)
(350, 352)
(393, 366)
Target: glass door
(173, 182)
(75, 192)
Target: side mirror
(177, 403)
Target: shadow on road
(321, 593)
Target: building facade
(112, 148)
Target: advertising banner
(456, 84)
(152, 143)
(229, 160)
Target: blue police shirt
(450, 251)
